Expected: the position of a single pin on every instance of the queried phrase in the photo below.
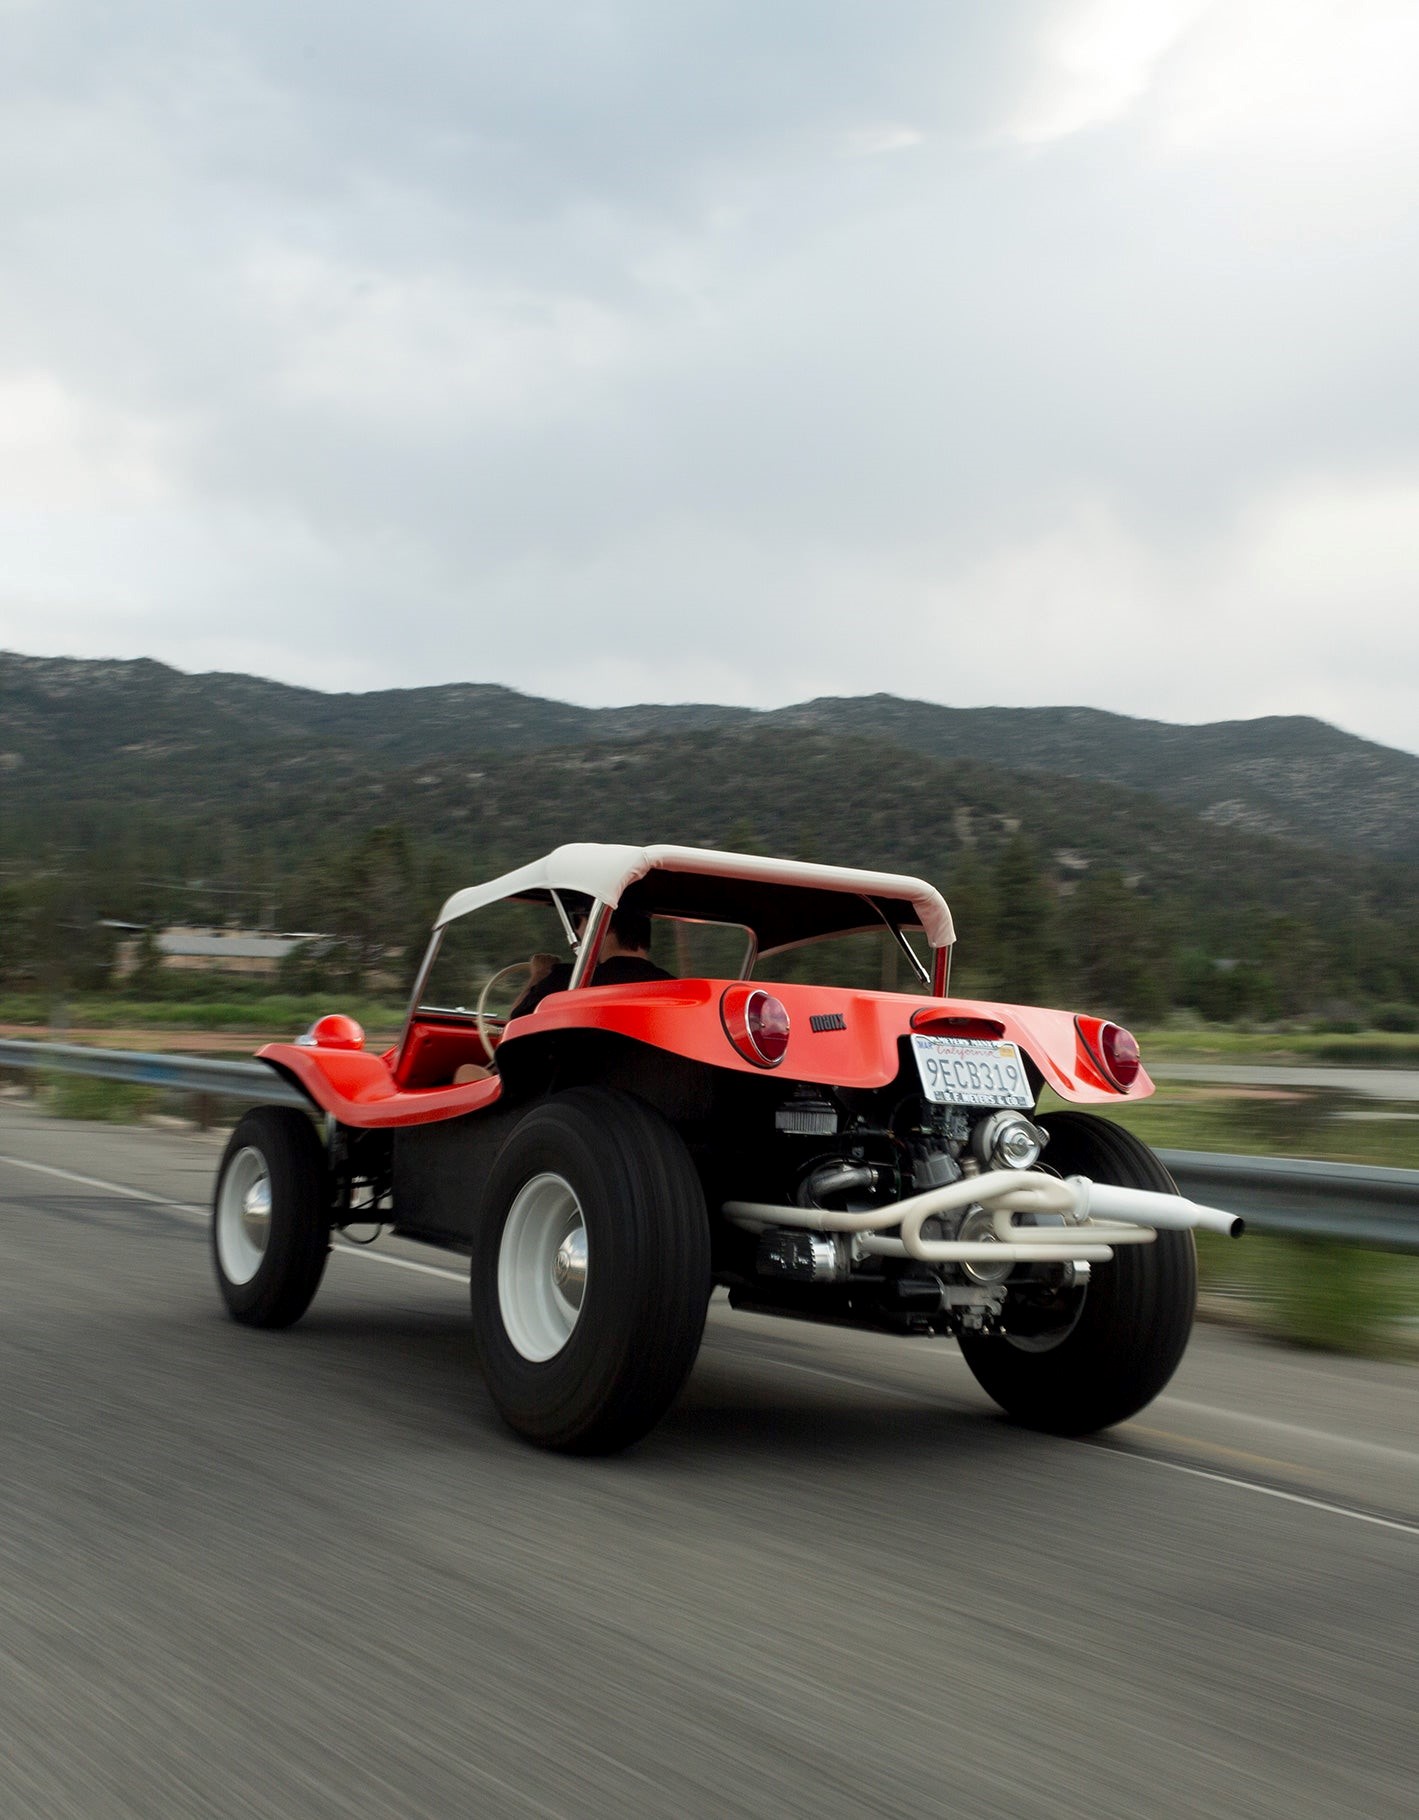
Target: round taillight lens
(1120, 1054)
(767, 1023)
(756, 1023)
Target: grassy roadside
(1225, 1043)
(267, 1017)
(1329, 1126)
(81, 1096)
(1315, 1293)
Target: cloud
(1313, 81)
(1094, 60)
(872, 141)
(60, 451)
(1019, 353)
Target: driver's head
(630, 930)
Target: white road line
(833, 1377)
(1295, 1430)
(203, 1214)
(1121, 1453)
(387, 1257)
(1263, 1491)
(92, 1181)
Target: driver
(624, 961)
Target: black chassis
(429, 1179)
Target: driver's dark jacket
(618, 970)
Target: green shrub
(81, 1096)
(1340, 1298)
(1361, 1053)
(1316, 1292)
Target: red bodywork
(682, 1017)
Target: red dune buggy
(863, 1153)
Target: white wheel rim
(542, 1267)
(244, 1216)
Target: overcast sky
(1023, 351)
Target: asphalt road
(310, 1574)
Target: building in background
(236, 951)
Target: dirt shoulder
(188, 1042)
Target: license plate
(957, 1071)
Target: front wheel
(271, 1217)
(590, 1272)
(1111, 1353)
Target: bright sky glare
(1051, 351)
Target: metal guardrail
(1353, 1202)
(229, 1079)
(1346, 1201)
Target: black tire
(1136, 1315)
(270, 1284)
(642, 1307)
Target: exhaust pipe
(1008, 1192)
(1164, 1212)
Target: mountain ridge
(1289, 777)
(134, 793)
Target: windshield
(476, 947)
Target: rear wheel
(1109, 1350)
(271, 1217)
(590, 1272)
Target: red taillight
(939, 1023)
(767, 1022)
(756, 1023)
(1119, 1052)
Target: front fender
(357, 1089)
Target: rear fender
(838, 1037)
(1052, 1040)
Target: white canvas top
(605, 872)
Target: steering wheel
(486, 1026)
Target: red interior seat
(434, 1052)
